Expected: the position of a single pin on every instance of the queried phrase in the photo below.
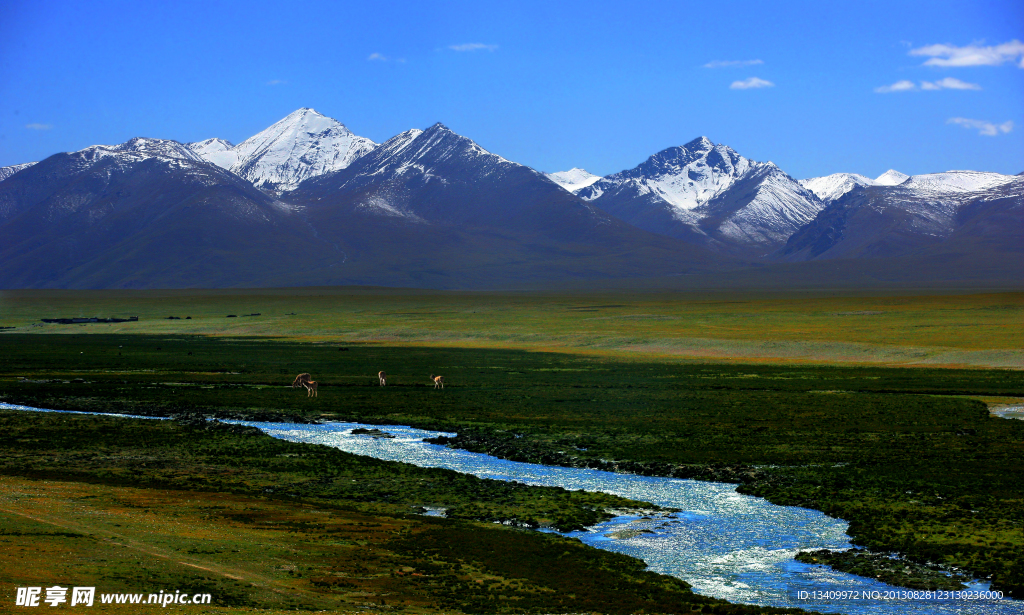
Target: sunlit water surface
(725, 544)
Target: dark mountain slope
(890, 221)
(144, 214)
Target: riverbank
(260, 522)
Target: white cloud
(987, 129)
(276, 82)
(949, 83)
(730, 63)
(752, 82)
(377, 57)
(39, 126)
(972, 55)
(899, 86)
(472, 47)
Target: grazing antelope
(383, 378)
(301, 378)
(310, 388)
(438, 381)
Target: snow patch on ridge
(891, 177)
(957, 181)
(831, 187)
(6, 172)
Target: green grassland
(803, 399)
(980, 330)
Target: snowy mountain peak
(301, 145)
(217, 151)
(707, 193)
(439, 127)
(831, 187)
(684, 176)
(574, 179)
(891, 177)
(699, 144)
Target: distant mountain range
(307, 202)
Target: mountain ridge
(434, 208)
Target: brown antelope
(438, 381)
(382, 377)
(300, 379)
(310, 388)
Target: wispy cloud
(472, 47)
(731, 63)
(899, 86)
(377, 57)
(752, 82)
(276, 82)
(987, 129)
(39, 126)
(972, 55)
(949, 83)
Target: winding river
(725, 544)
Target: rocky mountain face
(710, 195)
(302, 145)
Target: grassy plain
(981, 330)
(806, 399)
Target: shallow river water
(725, 544)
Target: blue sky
(830, 86)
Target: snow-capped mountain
(574, 179)
(439, 202)
(302, 145)
(707, 193)
(142, 214)
(435, 175)
(217, 151)
(431, 208)
(892, 177)
(888, 221)
(831, 187)
(6, 172)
